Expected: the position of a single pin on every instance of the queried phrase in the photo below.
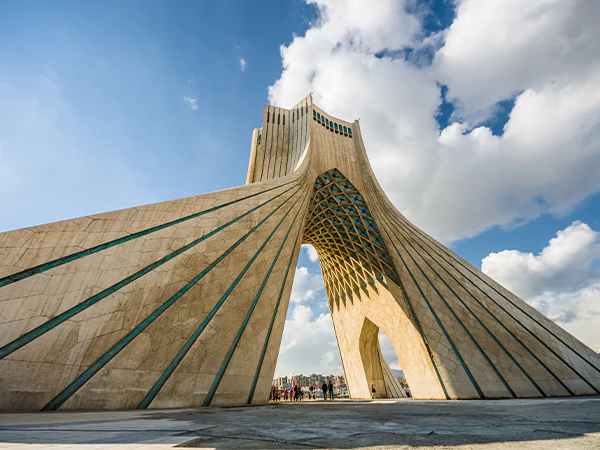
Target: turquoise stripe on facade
(468, 333)
(74, 256)
(61, 318)
(194, 337)
(442, 328)
(564, 386)
(236, 340)
(535, 385)
(64, 395)
(270, 329)
(524, 312)
(420, 328)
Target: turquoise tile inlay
(73, 387)
(270, 329)
(506, 352)
(74, 256)
(236, 340)
(541, 341)
(194, 337)
(61, 318)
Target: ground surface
(407, 424)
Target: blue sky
(107, 82)
(489, 144)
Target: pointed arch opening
(380, 379)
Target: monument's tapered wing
(183, 303)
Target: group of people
(327, 388)
(297, 394)
(292, 394)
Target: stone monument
(183, 303)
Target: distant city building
(315, 380)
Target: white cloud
(564, 262)
(455, 183)
(498, 48)
(242, 64)
(311, 252)
(560, 281)
(458, 181)
(308, 345)
(388, 352)
(306, 285)
(191, 101)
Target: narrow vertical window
(278, 118)
(284, 119)
(345, 130)
(268, 115)
(318, 116)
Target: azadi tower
(183, 303)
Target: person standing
(324, 387)
(330, 389)
(373, 391)
(310, 392)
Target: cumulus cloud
(498, 48)
(564, 262)
(308, 345)
(311, 252)
(242, 64)
(306, 285)
(458, 181)
(560, 281)
(191, 101)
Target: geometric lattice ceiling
(351, 252)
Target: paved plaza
(572, 423)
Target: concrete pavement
(570, 423)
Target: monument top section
(279, 144)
